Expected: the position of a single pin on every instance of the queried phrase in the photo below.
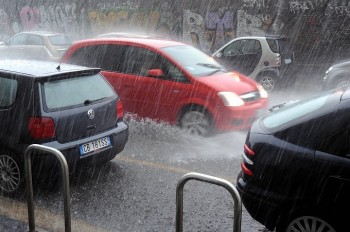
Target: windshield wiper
(217, 67)
(210, 65)
(215, 71)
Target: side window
(273, 45)
(18, 40)
(139, 61)
(90, 56)
(35, 40)
(171, 72)
(108, 57)
(336, 144)
(8, 90)
(135, 59)
(113, 58)
(235, 48)
(251, 47)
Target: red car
(173, 82)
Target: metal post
(29, 184)
(213, 180)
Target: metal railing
(29, 183)
(237, 219)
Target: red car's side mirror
(155, 73)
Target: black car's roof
(37, 68)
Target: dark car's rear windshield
(296, 112)
(68, 93)
(59, 40)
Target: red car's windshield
(193, 60)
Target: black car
(296, 165)
(67, 107)
(337, 76)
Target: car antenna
(58, 67)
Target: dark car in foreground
(71, 108)
(337, 76)
(173, 82)
(296, 165)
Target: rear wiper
(88, 101)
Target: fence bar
(29, 183)
(213, 180)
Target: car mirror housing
(219, 54)
(155, 73)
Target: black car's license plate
(94, 145)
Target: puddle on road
(160, 141)
(148, 138)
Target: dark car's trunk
(77, 124)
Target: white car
(35, 45)
(264, 59)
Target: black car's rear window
(295, 112)
(68, 93)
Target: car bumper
(262, 210)
(71, 151)
(239, 118)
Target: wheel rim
(343, 84)
(268, 83)
(195, 123)
(10, 175)
(309, 224)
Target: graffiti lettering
(30, 17)
(221, 24)
(338, 10)
(253, 3)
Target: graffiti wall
(207, 24)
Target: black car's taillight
(41, 127)
(247, 160)
(120, 110)
(248, 151)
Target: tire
(306, 222)
(196, 122)
(11, 174)
(342, 83)
(268, 81)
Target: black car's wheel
(306, 222)
(268, 81)
(342, 83)
(196, 122)
(309, 224)
(11, 174)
